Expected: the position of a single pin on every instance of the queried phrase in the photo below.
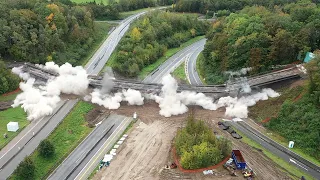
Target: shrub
(198, 147)
(46, 149)
(26, 169)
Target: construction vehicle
(238, 159)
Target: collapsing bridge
(232, 86)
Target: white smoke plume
(238, 107)
(22, 75)
(35, 101)
(41, 101)
(109, 101)
(173, 103)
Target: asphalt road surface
(263, 141)
(100, 58)
(191, 69)
(173, 62)
(27, 145)
(91, 161)
(102, 131)
(9, 160)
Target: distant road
(173, 62)
(11, 155)
(191, 69)
(100, 58)
(74, 162)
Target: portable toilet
(291, 143)
(13, 126)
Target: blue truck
(238, 159)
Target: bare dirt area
(5, 105)
(148, 148)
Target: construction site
(148, 148)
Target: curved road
(191, 66)
(193, 78)
(174, 61)
(28, 140)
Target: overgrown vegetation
(65, 138)
(8, 81)
(300, 121)
(150, 37)
(223, 7)
(198, 147)
(41, 31)
(25, 169)
(260, 38)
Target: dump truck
(238, 159)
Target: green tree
(25, 169)
(46, 149)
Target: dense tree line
(149, 38)
(300, 121)
(260, 38)
(218, 6)
(198, 147)
(38, 31)
(8, 81)
(111, 10)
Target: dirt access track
(147, 148)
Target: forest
(150, 37)
(198, 147)
(222, 6)
(39, 31)
(260, 38)
(300, 121)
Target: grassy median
(170, 52)
(65, 139)
(180, 73)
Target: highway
(191, 63)
(273, 147)
(173, 62)
(13, 154)
(26, 145)
(76, 161)
(100, 58)
(88, 165)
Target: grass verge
(124, 132)
(292, 171)
(10, 97)
(65, 139)
(102, 28)
(180, 73)
(170, 52)
(12, 114)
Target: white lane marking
(293, 161)
(21, 138)
(171, 64)
(104, 146)
(192, 69)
